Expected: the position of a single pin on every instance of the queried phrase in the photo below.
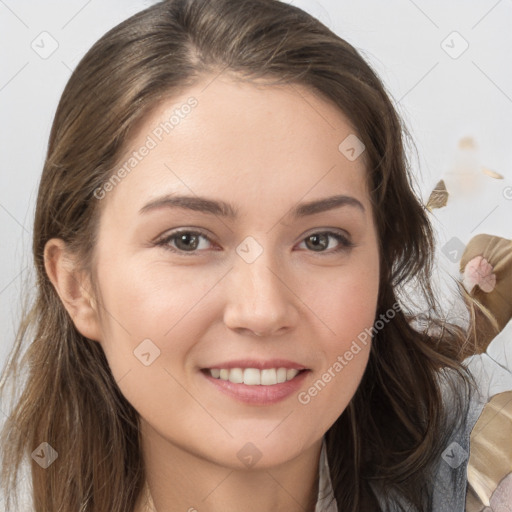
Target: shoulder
(489, 470)
(477, 463)
(477, 456)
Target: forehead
(240, 140)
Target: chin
(262, 451)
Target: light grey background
(442, 98)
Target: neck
(180, 481)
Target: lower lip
(258, 394)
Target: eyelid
(328, 231)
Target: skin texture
(264, 149)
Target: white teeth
(253, 376)
(269, 377)
(291, 373)
(236, 375)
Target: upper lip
(259, 364)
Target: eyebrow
(224, 209)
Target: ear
(73, 288)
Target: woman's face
(237, 265)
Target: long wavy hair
(395, 427)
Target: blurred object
(465, 180)
(438, 197)
(486, 265)
(479, 272)
(493, 174)
(490, 461)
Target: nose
(260, 300)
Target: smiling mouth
(254, 376)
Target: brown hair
(396, 424)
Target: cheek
(345, 303)
(352, 305)
(348, 311)
(153, 316)
(344, 299)
(151, 300)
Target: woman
(224, 233)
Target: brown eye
(319, 242)
(187, 241)
(184, 242)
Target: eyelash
(344, 243)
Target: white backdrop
(446, 64)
